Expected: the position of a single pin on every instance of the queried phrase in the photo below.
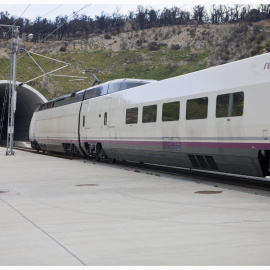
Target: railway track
(52, 154)
(255, 185)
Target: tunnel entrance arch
(27, 100)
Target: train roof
(94, 91)
(119, 85)
(111, 86)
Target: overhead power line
(65, 21)
(73, 14)
(18, 19)
(51, 11)
(44, 73)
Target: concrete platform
(70, 212)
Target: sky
(29, 9)
(51, 11)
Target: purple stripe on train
(179, 145)
(175, 145)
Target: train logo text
(267, 66)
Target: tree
(153, 18)
(60, 25)
(140, 16)
(199, 14)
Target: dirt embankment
(230, 41)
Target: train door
(107, 118)
(114, 122)
(94, 125)
(82, 126)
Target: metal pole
(9, 96)
(12, 92)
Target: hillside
(156, 53)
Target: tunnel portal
(27, 100)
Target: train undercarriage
(261, 164)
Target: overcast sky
(29, 9)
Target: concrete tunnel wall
(27, 100)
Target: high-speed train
(216, 119)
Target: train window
(48, 105)
(77, 98)
(68, 100)
(197, 108)
(126, 85)
(149, 114)
(42, 107)
(170, 111)
(83, 121)
(91, 93)
(60, 102)
(105, 119)
(132, 116)
(38, 107)
(230, 105)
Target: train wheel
(112, 160)
(99, 154)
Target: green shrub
(162, 44)
(153, 46)
(255, 50)
(175, 47)
(108, 36)
(139, 42)
(252, 38)
(260, 38)
(63, 49)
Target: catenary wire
(18, 18)
(76, 12)
(73, 14)
(15, 21)
(85, 6)
(65, 21)
(51, 11)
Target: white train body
(214, 119)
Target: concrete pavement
(70, 212)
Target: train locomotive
(214, 119)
